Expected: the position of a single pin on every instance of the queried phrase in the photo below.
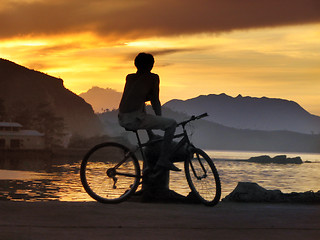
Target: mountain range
(24, 89)
(209, 135)
(240, 123)
(267, 114)
(102, 99)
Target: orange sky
(254, 48)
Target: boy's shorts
(141, 120)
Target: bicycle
(110, 172)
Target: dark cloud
(128, 19)
(174, 50)
(131, 55)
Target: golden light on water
(62, 182)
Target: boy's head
(144, 62)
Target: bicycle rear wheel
(110, 172)
(203, 177)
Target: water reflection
(44, 180)
(19, 190)
(22, 175)
(285, 177)
(60, 180)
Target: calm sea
(61, 181)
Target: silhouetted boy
(141, 87)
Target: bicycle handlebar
(202, 115)
(192, 119)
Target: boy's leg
(169, 126)
(166, 149)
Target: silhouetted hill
(27, 89)
(209, 135)
(267, 114)
(102, 98)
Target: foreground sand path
(131, 220)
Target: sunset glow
(277, 60)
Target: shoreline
(132, 220)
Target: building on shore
(12, 136)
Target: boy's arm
(155, 102)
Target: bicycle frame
(185, 140)
(181, 143)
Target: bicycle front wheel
(203, 177)
(110, 172)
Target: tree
(3, 112)
(45, 121)
(41, 118)
(22, 114)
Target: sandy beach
(132, 220)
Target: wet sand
(132, 220)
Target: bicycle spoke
(110, 173)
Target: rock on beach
(252, 192)
(280, 159)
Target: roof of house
(22, 133)
(10, 124)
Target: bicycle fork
(204, 175)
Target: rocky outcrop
(24, 89)
(280, 159)
(252, 192)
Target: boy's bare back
(140, 88)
